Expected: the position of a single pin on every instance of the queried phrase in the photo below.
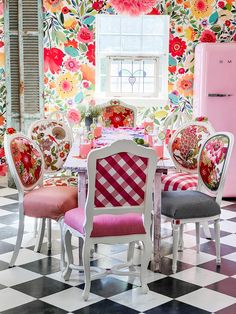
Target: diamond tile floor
(35, 284)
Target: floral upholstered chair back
(54, 139)
(118, 114)
(185, 145)
(213, 161)
(25, 161)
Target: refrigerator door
(215, 94)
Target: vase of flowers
(89, 113)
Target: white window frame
(161, 68)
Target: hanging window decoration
(133, 7)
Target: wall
(69, 48)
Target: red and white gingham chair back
(120, 181)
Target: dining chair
(116, 113)
(203, 204)
(184, 148)
(26, 164)
(174, 121)
(118, 207)
(54, 138)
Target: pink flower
(133, 7)
(208, 37)
(74, 116)
(234, 38)
(85, 84)
(85, 35)
(72, 65)
(216, 150)
(221, 4)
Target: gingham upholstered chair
(118, 207)
(26, 165)
(203, 204)
(184, 147)
(54, 138)
(116, 113)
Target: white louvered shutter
(24, 59)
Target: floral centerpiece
(89, 113)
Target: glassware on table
(158, 146)
(84, 149)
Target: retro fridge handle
(219, 95)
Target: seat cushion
(178, 181)
(188, 204)
(106, 225)
(50, 202)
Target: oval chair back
(214, 158)
(54, 138)
(25, 161)
(185, 144)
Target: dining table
(78, 165)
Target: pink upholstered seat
(106, 225)
(50, 202)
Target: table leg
(155, 264)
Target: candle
(84, 149)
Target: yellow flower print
(66, 85)
(201, 8)
(185, 85)
(53, 5)
(189, 33)
(161, 114)
(70, 23)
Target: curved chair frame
(91, 211)
(217, 194)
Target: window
(23, 20)
(132, 57)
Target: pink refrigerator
(215, 94)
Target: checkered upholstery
(179, 181)
(120, 180)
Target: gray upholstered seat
(188, 204)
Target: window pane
(153, 44)
(115, 84)
(109, 25)
(131, 43)
(110, 43)
(131, 25)
(152, 25)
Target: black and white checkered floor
(35, 284)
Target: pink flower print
(85, 35)
(72, 65)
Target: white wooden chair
(118, 207)
(203, 204)
(26, 165)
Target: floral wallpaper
(69, 48)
